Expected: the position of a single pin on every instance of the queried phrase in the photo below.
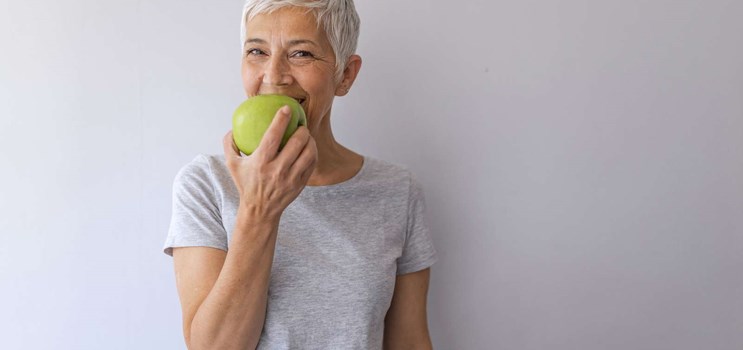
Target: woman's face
(286, 53)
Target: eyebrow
(291, 42)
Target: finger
(305, 163)
(230, 149)
(294, 146)
(269, 145)
(308, 172)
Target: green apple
(252, 118)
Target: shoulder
(199, 168)
(395, 176)
(391, 171)
(205, 164)
(204, 170)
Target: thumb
(230, 149)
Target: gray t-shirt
(338, 249)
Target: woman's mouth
(301, 102)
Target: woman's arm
(406, 323)
(224, 294)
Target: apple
(252, 118)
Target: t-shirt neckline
(351, 181)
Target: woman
(328, 249)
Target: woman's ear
(353, 65)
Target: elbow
(187, 335)
(196, 340)
(193, 340)
(423, 344)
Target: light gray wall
(582, 163)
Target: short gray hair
(338, 18)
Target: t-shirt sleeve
(418, 252)
(196, 218)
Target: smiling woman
(287, 53)
(311, 247)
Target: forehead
(285, 23)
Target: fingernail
(286, 110)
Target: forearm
(233, 313)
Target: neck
(335, 163)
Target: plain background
(582, 163)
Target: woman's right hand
(269, 180)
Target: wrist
(256, 215)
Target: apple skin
(253, 117)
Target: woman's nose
(277, 72)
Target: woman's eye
(254, 52)
(302, 54)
